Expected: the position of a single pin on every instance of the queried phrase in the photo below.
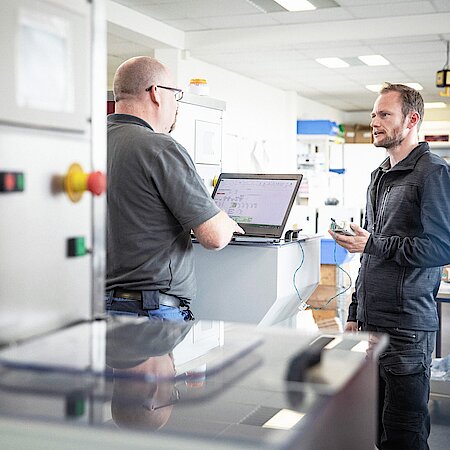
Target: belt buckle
(129, 295)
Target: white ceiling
(279, 48)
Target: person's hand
(354, 244)
(351, 327)
(238, 229)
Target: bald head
(135, 75)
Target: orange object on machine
(76, 182)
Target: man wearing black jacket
(404, 242)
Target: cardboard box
(321, 315)
(349, 133)
(328, 274)
(363, 134)
(322, 295)
(328, 316)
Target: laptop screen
(259, 203)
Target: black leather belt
(164, 299)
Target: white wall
(361, 117)
(310, 110)
(259, 121)
(434, 127)
(360, 161)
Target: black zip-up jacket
(408, 216)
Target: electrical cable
(303, 305)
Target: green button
(80, 247)
(20, 182)
(76, 246)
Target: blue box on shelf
(317, 127)
(327, 253)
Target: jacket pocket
(399, 213)
(406, 362)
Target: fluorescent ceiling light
(285, 419)
(374, 87)
(416, 86)
(296, 5)
(435, 105)
(374, 60)
(332, 63)
(377, 87)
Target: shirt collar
(409, 162)
(128, 118)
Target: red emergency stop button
(76, 182)
(12, 181)
(96, 183)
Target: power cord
(303, 305)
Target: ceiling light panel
(329, 14)
(416, 86)
(296, 5)
(374, 60)
(265, 6)
(374, 87)
(435, 105)
(377, 87)
(332, 63)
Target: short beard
(390, 142)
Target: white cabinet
(199, 130)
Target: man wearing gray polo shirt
(155, 198)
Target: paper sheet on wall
(208, 144)
(260, 157)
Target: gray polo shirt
(155, 197)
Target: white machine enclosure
(254, 283)
(49, 119)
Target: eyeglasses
(177, 92)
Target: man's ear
(413, 120)
(154, 95)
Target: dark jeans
(404, 388)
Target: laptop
(259, 203)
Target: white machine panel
(46, 125)
(40, 286)
(45, 46)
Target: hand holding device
(342, 227)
